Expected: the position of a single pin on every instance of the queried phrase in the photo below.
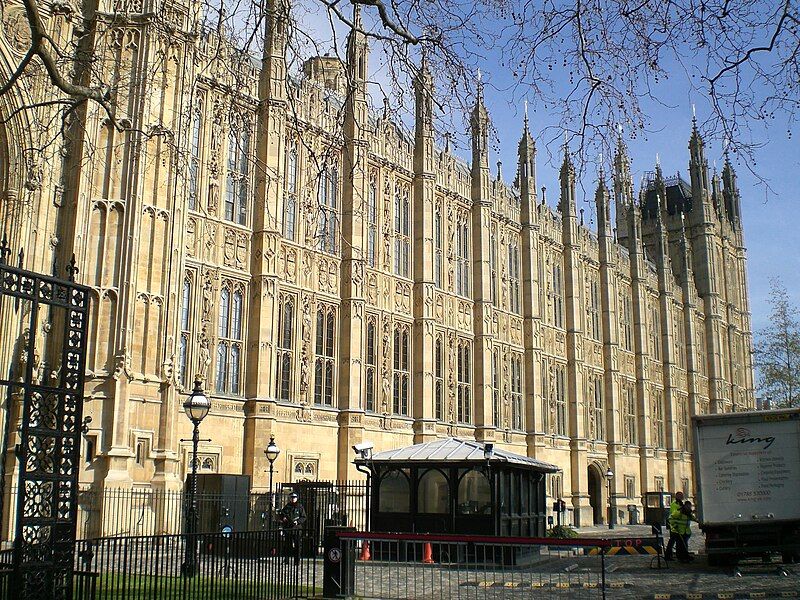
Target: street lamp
(609, 477)
(196, 407)
(272, 453)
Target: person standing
(291, 518)
(674, 516)
(685, 531)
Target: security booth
(458, 487)
(656, 507)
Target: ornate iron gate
(47, 318)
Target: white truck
(747, 475)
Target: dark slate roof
(454, 450)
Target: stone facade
(335, 278)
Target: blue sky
(770, 212)
(771, 217)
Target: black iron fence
(398, 566)
(148, 512)
(236, 566)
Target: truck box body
(747, 474)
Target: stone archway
(596, 496)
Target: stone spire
(730, 192)
(479, 122)
(603, 206)
(623, 186)
(526, 171)
(698, 171)
(567, 179)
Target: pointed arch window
(462, 258)
(402, 371)
(186, 334)
(438, 368)
(658, 419)
(402, 231)
(626, 321)
(372, 222)
(655, 332)
(290, 207)
(547, 400)
(598, 408)
(629, 414)
(560, 389)
(517, 420)
(230, 335)
(558, 296)
(195, 145)
(238, 187)
(493, 291)
(371, 366)
(438, 235)
(496, 417)
(513, 278)
(285, 359)
(464, 376)
(593, 308)
(328, 200)
(324, 373)
(680, 342)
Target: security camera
(363, 447)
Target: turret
(526, 172)
(423, 131)
(730, 193)
(567, 178)
(479, 122)
(603, 206)
(702, 210)
(623, 187)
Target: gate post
(338, 573)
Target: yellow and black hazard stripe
(624, 550)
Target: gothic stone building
(334, 278)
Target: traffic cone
(365, 555)
(427, 554)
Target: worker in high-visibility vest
(681, 525)
(674, 537)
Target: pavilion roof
(454, 450)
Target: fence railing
(258, 564)
(147, 512)
(442, 566)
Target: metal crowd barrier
(386, 565)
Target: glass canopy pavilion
(457, 486)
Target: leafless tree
(598, 64)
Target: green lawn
(113, 586)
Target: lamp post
(196, 407)
(272, 453)
(609, 478)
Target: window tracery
(371, 365)
(284, 382)
(438, 367)
(237, 192)
(328, 203)
(195, 151)
(324, 367)
(402, 231)
(230, 338)
(402, 374)
(186, 334)
(290, 196)
(464, 374)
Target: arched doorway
(596, 495)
